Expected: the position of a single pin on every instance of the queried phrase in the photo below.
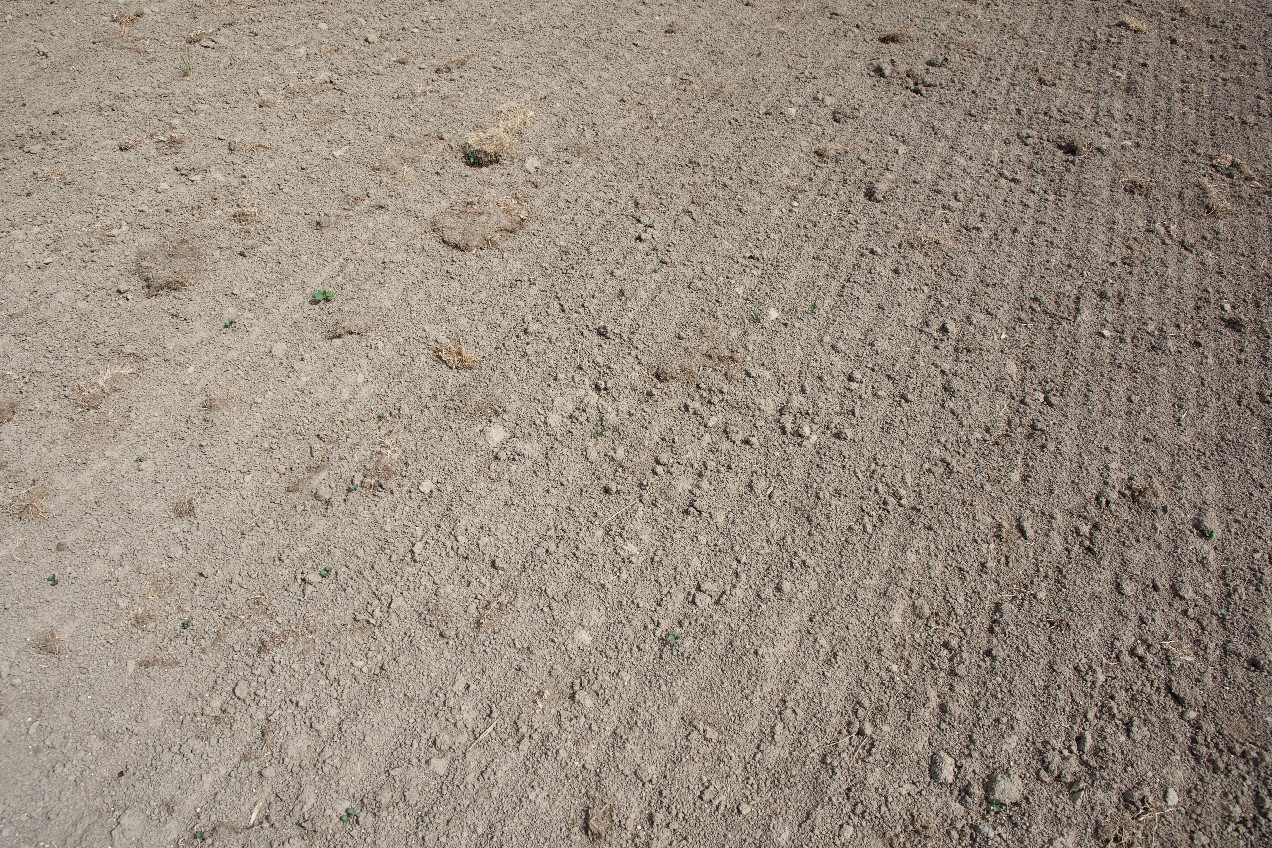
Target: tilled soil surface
(715, 423)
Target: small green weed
(349, 815)
(52, 578)
(813, 309)
(229, 322)
(673, 639)
(186, 67)
(755, 316)
(325, 572)
(996, 806)
(199, 836)
(185, 625)
(601, 428)
(322, 296)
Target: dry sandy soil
(651, 424)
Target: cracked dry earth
(651, 424)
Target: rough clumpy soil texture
(828, 423)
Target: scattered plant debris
(456, 356)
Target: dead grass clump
(455, 356)
(480, 224)
(171, 143)
(894, 38)
(125, 19)
(32, 506)
(184, 507)
(8, 408)
(1132, 24)
(171, 267)
(52, 643)
(56, 175)
(91, 394)
(1211, 200)
(245, 216)
(491, 145)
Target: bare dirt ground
(716, 423)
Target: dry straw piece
(456, 356)
(490, 146)
(184, 507)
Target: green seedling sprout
(323, 295)
(52, 578)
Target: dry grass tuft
(52, 643)
(831, 151)
(32, 506)
(91, 394)
(184, 507)
(491, 145)
(480, 224)
(171, 267)
(245, 216)
(124, 20)
(8, 408)
(171, 143)
(455, 356)
(55, 175)
(1132, 24)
